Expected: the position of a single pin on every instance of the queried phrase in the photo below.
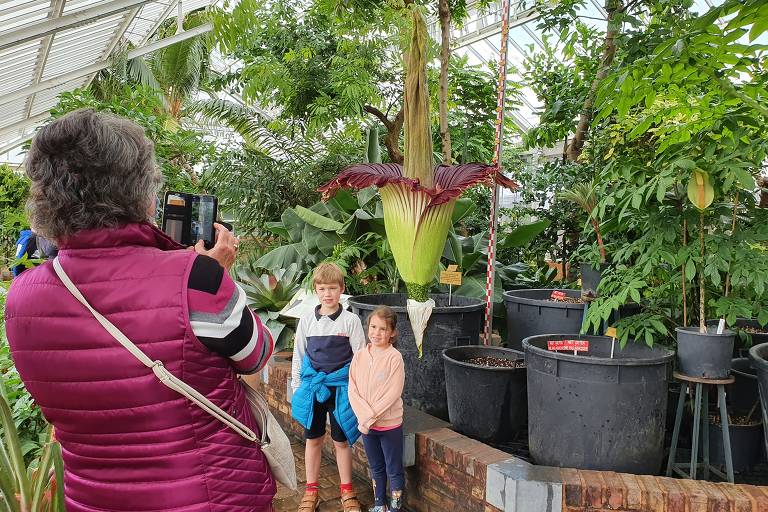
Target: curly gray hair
(90, 170)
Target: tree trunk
(394, 127)
(445, 59)
(612, 7)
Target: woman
(129, 443)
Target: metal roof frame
(51, 46)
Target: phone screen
(188, 218)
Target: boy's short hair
(328, 273)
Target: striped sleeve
(221, 320)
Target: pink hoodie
(376, 380)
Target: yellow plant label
(450, 277)
(611, 332)
(452, 268)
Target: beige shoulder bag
(273, 441)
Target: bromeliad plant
(418, 197)
(37, 487)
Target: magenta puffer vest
(129, 443)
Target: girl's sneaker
(396, 501)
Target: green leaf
(690, 270)
(317, 220)
(760, 26)
(281, 257)
(685, 163)
(463, 208)
(365, 195)
(277, 228)
(523, 235)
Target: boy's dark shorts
(321, 411)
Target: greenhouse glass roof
(51, 46)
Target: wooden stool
(701, 421)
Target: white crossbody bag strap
(157, 367)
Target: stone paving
(288, 501)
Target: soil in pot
(449, 326)
(593, 412)
(704, 355)
(486, 392)
(495, 362)
(746, 435)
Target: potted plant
(585, 196)
(501, 415)
(703, 351)
(419, 200)
(582, 405)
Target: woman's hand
(225, 249)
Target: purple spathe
(129, 443)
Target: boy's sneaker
(309, 502)
(379, 508)
(350, 503)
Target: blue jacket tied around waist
(316, 386)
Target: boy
(326, 340)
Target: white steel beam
(57, 7)
(51, 26)
(494, 29)
(24, 123)
(160, 19)
(16, 143)
(117, 38)
(98, 66)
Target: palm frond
(252, 127)
(582, 194)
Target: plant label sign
(557, 295)
(451, 276)
(571, 345)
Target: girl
(376, 379)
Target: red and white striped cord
(502, 89)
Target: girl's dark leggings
(384, 449)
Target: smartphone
(188, 218)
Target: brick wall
(450, 469)
(453, 473)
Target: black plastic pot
(758, 355)
(704, 355)
(741, 344)
(745, 445)
(593, 412)
(449, 326)
(590, 279)
(529, 312)
(485, 403)
(743, 393)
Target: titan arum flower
(418, 197)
